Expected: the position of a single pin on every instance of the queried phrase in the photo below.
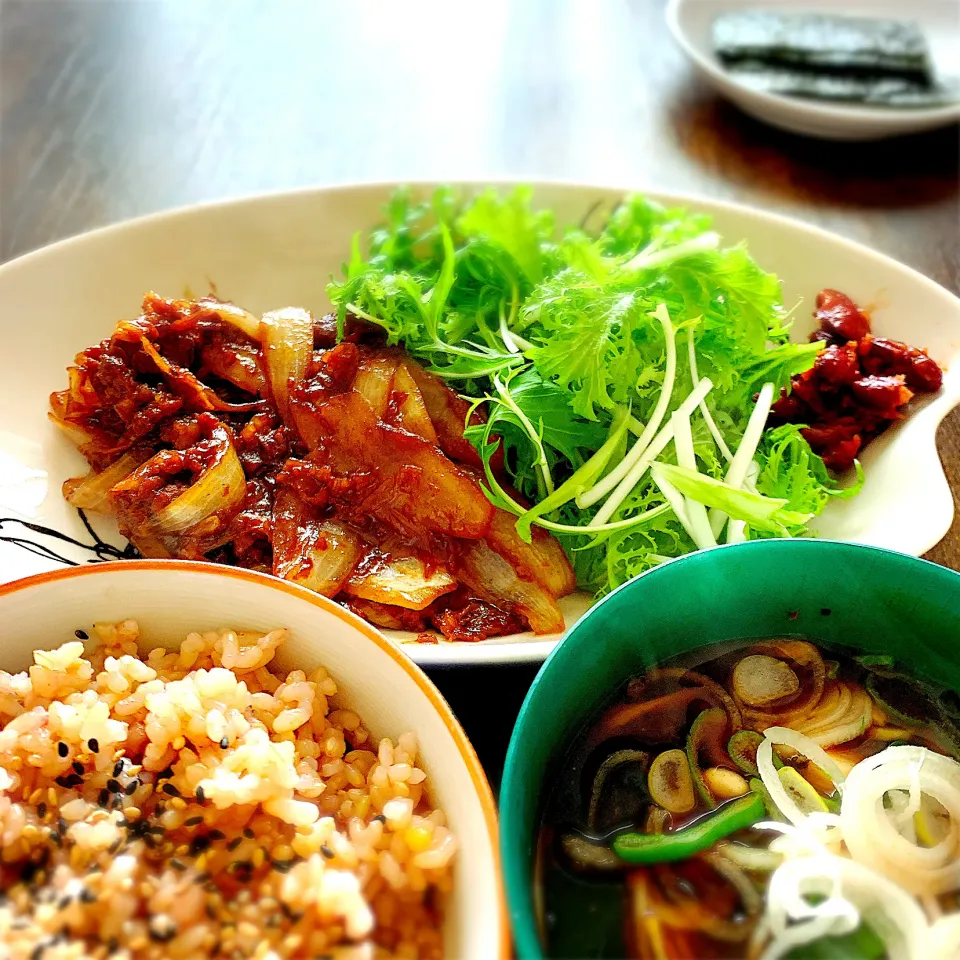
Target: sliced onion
(233, 315)
(220, 489)
(854, 893)
(754, 859)
(401, 582)
(315, 553)
(374, 381)
(871, 834)
(848, 720)
(90, 492)
(942, 938)
(412, 410)
(771, 779)
(287, 336)
(485, 571)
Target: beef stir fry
(343, 467)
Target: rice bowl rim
(426, 686)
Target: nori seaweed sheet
(823, 41)
(881, 90)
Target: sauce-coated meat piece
(840, 317)
(858, 384)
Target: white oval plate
(691, 23)
(280, 249)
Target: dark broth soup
(648, 846)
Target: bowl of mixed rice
(198, 761)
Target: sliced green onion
(657, 445)
(696, 512)
(623, 469)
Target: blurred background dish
(170, 599)
(859, 599)
(692, 22)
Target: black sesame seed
(326, 851)
(62, 825)
(56, 838)
(193, 821)
(103, 798)
(170, 790)
(217, 835)
(41, 809)
(87, 896)
(131, 788)
(114, 847)
(201, 797)
(81, 634)
(198, 845)
(93, 745)
(224, 743)
(201, 878)
(62, 749)
(38, 951)
(64, 903)
(113, 786)
(282, 866)
(248, 833)
(234, 843)
(381, 818)
(78, 768)
(118, 767)
(74, 780)
(211, 913)
(178, 865)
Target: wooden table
(112, 108)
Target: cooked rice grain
(195, 804)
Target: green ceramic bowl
(871, 599)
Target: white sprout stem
(512, 341)
(676, 500)
(704, 409)
(647, 261)
(610, 481)
(635, 426)
(505, 334)
(656, 447)
(534, 435)
(696, 512)
(737, 471)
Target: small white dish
(279, 249)
(691, 23)
(170, 598)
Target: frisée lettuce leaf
(606, 359)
